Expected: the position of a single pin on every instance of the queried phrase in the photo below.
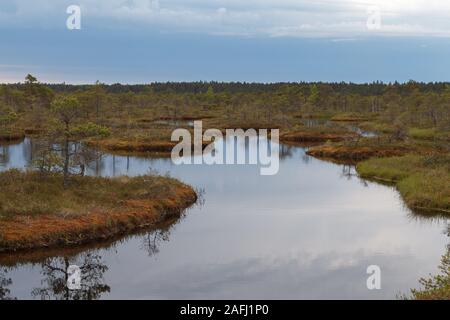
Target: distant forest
(366, 89)
(411, 104)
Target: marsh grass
(361, 149)
(11, 135)
(430, 134)
(425, 134)
(36, 210)
(318, 134)
(349, 116)
(376, 126)
(423, 181)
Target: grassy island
(319, 134)
(37, 211)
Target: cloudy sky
(139, 41)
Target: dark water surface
(310, 231)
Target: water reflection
(4, 155)
(91, 161)
(5, 282)
(310, 123)
(53, 270)
(151, 241)
(55, 276)
(308, 232)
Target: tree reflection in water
(5, 282)
(152, 240)
(285, 151)
(55, 278)
(4, 156)
(448, 233)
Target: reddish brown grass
(342, 152)
(23, 231)
(311, 136)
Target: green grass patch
(377, 127)
(423, 134)
(349, 116)
(423, 181)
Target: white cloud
(304, 18)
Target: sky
(141, 41)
